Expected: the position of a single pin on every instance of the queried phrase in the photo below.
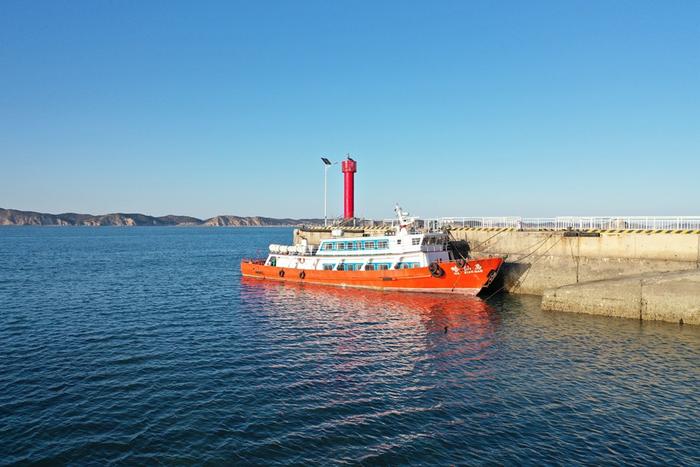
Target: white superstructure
(402, 249)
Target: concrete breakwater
(633, 274)
(602, 273)
(671, 296)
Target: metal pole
(325, 190)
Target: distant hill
(15, 217)
(236, 221)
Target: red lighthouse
(349, 169)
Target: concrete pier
(627, 274)
(537, 260)
(671, 296)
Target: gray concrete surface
(537, 261)
(648, 276)
(670, 296)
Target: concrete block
(670, 296)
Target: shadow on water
(509, 275)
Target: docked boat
(403, 258)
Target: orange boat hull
(468, 279)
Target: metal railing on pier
(571, 223)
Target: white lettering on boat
(466, 269)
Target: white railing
(565, 223)
(474, 221)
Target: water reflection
(361, 329)
(354, 360)
(433, 312)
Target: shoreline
(150, 226)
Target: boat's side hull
(468, 279)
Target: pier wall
(635, 275)
(671, 296)
(537, 261)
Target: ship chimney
(349, 169)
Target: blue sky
(451, 108)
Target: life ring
(461, 263)
(301, 260)
(281, 273)
(302, 275)
(435, 270)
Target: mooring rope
(522, 279)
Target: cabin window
(351, 245)
(341, 245)
(369, 267)
(369, 245)
(273, 261)
(382, 266)
(398, 241)
(415, 241)
(350, 267)
(328, 266)
(406, 265)
(327, 246)
(382, 244)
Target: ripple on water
(143, 345)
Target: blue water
(144, 346)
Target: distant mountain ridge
(16, 217)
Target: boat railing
(293, 250)
(572, 222)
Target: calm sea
(144, 346)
